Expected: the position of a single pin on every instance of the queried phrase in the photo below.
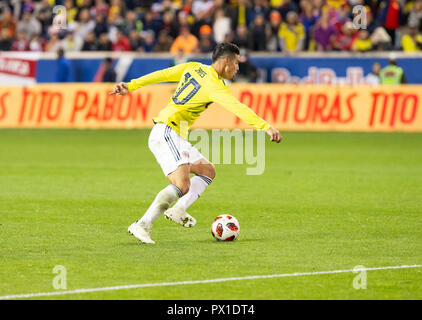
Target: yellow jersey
(362, 45)
(409, 44)
(291, 35)
(199, 85)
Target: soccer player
(199, 85)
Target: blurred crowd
(196, 26)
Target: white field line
(164, 284)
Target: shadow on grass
(212, 241)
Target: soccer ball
(225, 228)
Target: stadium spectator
(390, 16)
(386, 20)
(151, 23)
(104, 43)
(185, 41)
(100, 8)
(180, 58)
(164, 42)
(362, 43)
(221, 4)
(261, 7)
(202, 8)
(221, 26)
(202, 15)
(117, 8)
(27, 5)
(53, 44)
(392, 74)
(286, 7)
(415, 15)
(82, 5)
(149, 41)
(183, 20)
(170, 24)
(109, 73)
(135, 41)
(44, 16)
(5, 40)
(21, 42)
(257, 30)
(271, 33)
(412, 40)
(242, 38)
(318, 6)
(341, 15)
(130, 23)
(241, 14)
(144, 4)
(373, 78)
(64, 68)
(206, 42)
(344, 40)
(186, 7)
(380, 39)
(36, 44)
(71, 10)
(202, 11)
(163, 5)
(90, 43)
(72, 43)
(29, 24)
(247, 71)
(292, 34)
(122, 42)
(84, 26)
(42, 6)
(308, 18)
(8, 23)
(101, 25)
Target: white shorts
(170, 149)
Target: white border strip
(163, 284)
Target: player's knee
(183, 185)
(211, 171)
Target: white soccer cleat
(140, 232)
(180, 216)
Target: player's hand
(120, 89)
(274, 134)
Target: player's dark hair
(224, 49)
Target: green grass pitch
(326, 201)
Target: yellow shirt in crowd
(362, 45)
(409, 45)
(291, 35)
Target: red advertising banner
(18, 69)
(287, 107)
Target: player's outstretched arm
(172, 74)
(120, 89)
(221, 95)
(274, 134)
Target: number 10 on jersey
(188, 89)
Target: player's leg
(179, 185)
(162, 146)
(180, 178)
(204, 174)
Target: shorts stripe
(170, 143)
